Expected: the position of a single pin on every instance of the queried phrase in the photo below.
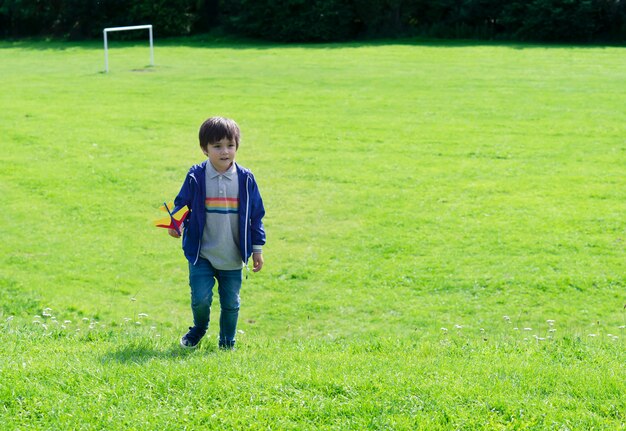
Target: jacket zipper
(200, 238)
(245, 235)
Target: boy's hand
(173, 233)
(257, 260)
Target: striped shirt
(221, 228)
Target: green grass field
(446, 237)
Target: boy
(224, 227)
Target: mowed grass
(446, 227)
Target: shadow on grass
(139, 354)
(219, 42)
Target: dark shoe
(191, 339)
(227, 345)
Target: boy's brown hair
(218, 128)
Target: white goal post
(133, 27)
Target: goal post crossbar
(132, 27)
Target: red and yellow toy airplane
(175, 220)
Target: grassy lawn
(446, 237)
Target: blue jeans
(202, 277)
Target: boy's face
(221, 154)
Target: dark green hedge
(325, 20)
(529, 20)
(85, 19)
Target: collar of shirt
(212, 173)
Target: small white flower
(85, 319)
(552, 330)
(133, 299)
(622, 327)
(127, 319)
(444, 329)
(458, 326)
(507, 318)
(62, 326)
(516, 329)
(528, 329)
(142, 315)
(10, 318)
(240, 331)
(67, 322)
(550, 322)
(482, 329)
(137, 323)
(592, 335)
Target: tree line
(587, 21)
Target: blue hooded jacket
(251, 211)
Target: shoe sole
(184, 346)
